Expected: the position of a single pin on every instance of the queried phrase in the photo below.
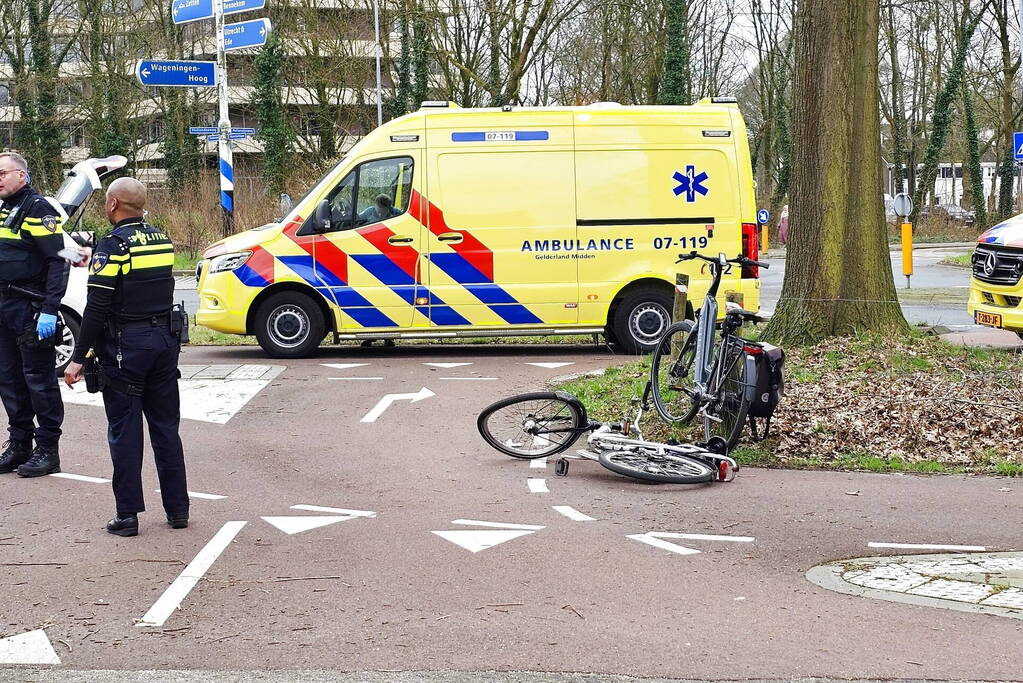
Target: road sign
(763, 216)
(1017, 146)
(232, 136)
(180, 74)
(243, 131)
(185, 11)
(236, 6)
(902, 204)
(203, 131)
(246, 34)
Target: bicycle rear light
(750, 249)
(753, 350)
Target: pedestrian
(783, 225)
(33, 278)
(133, 327)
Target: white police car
(70, 201)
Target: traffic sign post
(192, 74)
(176, 74)
(903, 206)
(246, 34)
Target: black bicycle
(691, 377)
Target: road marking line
(538, 463)
(573, 514)
(354, 378)
(538, 486)
(343, 366)
(190, 575)
(294, 524)
(925, 546)
(447, 366)
(703, 537)
(81, 477)
(497, 525)
(475, 540)
(204, 496)
(551, 366)
(388, 399)
(32, 647)
(339, 511)
(663, 545)
(472, 379)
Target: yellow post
(763, 241)
(907, 251)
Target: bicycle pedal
(561, 467)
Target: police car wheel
(641, 318)
(289, 325)
(66, 344)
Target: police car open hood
(243, 240)
(1008, 233)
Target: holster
(92, 374)
(29, 339)
(179, 322)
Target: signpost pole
(376, 28)
(224, 124)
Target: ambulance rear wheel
(641, 318)
(289, 325)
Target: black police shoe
(15, 453)
(44, 460)
(124, 526)
(178, 521)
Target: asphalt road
(425, 550)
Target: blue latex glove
(46, 325)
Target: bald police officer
(128, 321)
(32, 283)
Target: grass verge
(866, 403)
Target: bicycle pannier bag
(770, 384)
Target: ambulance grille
(997, 265)
(1012, 301)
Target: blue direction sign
(763, 216)
(232, 136)
(184, 11)
(244, 131)
(194, 130)
(246, 34)
(1017, 145)
(180, 74)
(236, 6)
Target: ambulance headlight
(225, 262)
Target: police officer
(32, 282)
(130, 324)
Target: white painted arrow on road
(656, 539)
(551, 366)
(388, 399)
(343, 366)
(28, 648)
(475, 540)
(294, 524)
(447, 366)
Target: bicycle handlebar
(739, 260)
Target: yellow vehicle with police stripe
(451, 222)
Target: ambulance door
(369, 259)
(501, 221)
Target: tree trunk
(838, 277)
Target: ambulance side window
(383, 189)
(340, 199)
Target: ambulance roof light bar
(438, 104)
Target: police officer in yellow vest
(130, 323)
(32, 282)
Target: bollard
(678, 311)
(907, 251)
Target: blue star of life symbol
(690, 183)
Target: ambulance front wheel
(289, 325)
(641, 318)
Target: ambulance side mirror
(321, 217)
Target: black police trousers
(28, 380)
(149, 361)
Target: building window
(74, 136)
(5, 95)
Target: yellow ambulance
(512, 221)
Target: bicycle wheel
(649, 465)
(531, 425)
(671, 373)
(726, 416)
